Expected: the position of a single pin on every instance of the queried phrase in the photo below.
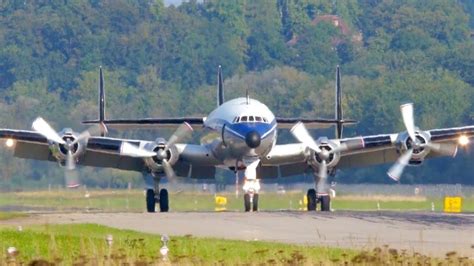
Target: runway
(427, 233)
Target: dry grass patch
(383, 198)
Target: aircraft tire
(164, 200)
(312, 201)
(150, 200)
(247, 202)
(255, 202)
(325, 203)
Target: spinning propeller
(182, 132)
(396, 170)
(300, 132)
(68, 142)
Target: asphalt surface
(427, 233)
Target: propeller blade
(300, 132)
(135, 151)
(409, 120)
(170, 174)
(43, 128)
(323, 170)
(446, 149)
(86, 134)
(71, 179)
(395, 172)
(182, 132)
(70, 163)
(323, 175)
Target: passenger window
(258, 119)
(243, 119)
(251, 119)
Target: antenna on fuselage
(220, 87)
(247, 96)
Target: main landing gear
(314, 199)
(158, 196)
(153, 198)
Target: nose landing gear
(251, 189)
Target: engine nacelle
(155, 163)
(405, 143)
(60, 151)
(333, 158)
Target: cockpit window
(250, 118)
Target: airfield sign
(452, 204)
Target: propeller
(43, 128)
(300, 132)
(182, 132)
(396, 171)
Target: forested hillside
(161, 61)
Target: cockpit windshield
(249, 118)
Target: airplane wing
(382, 149)
(193, 161)
(294, 159)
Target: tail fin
(339, 114)
(220, 87)
(103, 128)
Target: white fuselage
(240, 130)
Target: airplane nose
(253, 139)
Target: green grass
(86, 242)
(122, 200)
(11, 215)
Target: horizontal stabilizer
(312, 123)
(149, 122)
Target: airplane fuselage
(240, 130)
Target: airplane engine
(71, 147)
(420, 150)
(327, 154)
(162, 153)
